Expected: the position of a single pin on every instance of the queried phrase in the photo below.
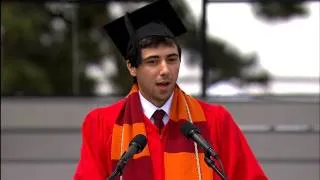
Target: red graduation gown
(238, 159)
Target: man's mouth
(163, 84)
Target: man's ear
(132, 70)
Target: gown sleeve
(238, 159)
(92, 164)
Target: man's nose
(164, 69)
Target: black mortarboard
(157, 18)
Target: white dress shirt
(149, 108)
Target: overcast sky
(297, 44)
(297, 39)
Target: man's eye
(151, 61)
(172, 59)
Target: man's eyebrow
(172, 55)
(156, 56)
(152, 57)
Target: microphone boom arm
(211, 164)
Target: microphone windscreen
(187, 127)
(139, 140)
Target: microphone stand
(211, 164)
(119, 169)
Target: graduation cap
(155, 19)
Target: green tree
(271, 11)
(37, 58)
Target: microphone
(136, 145)
(192, 132)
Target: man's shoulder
(212, 107)
(217, 112)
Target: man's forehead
(160, 50)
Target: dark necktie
(157, 117)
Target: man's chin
(163, 97)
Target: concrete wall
(40, 137)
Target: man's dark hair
(134, 54)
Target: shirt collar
(149, 108)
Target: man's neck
(154, 102)
(149, 108)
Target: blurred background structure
(260, 60)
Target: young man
(146, 39)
